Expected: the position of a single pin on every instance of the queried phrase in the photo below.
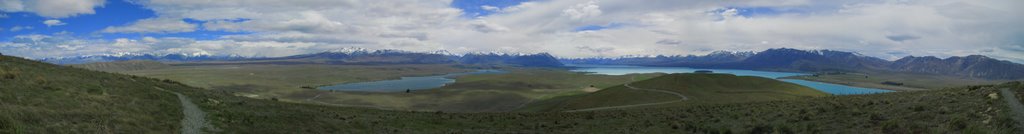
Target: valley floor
(470, 93)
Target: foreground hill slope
(43, 98)
(696, 88)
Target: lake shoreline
(831, 88)
(858, 84)
(405, 84)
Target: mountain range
(794, 60)
(172, 57)
(340, 56)
(779, 59)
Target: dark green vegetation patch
(698, 88)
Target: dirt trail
(195, 118)
(1015, 106)
(633, 79)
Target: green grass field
(269, 80)
(472, 93)
(484, 93)
(912, 82)
(699, 88)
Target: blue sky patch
(114, 13)
(473, 8)
(764, 11)
(597, 27)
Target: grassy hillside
(41, 98)
(119, 66)
(698, 88)
(131, 107)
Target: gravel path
(1015, 106)
(681, 98)
(195, 118)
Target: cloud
(901, 38)
(45, 46)
(19, 28)
(583, 10)
(153, 25)
(484, 27)
(669, 42)
(490, 8)
(595, 50)
(417, 36)
(508, 9)
(49, 23)
(874, 28)
(52, 8)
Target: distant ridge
(795, 60)
(714, 57)
(363, 56)
(172, 57)
(532, 60)
(969, 66)
(336, 56)
(778, 59)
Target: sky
(565, 28)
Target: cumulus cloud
(508, 9)
(483, 26)
(306, 22)
(876, 28)
(490, 8)
(153, 25)
(45, 46)
(19, 28)
(52, 8)
(53, 23)
(583, 10)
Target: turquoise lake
(835, 89)
(430, 82)
(405, 83)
